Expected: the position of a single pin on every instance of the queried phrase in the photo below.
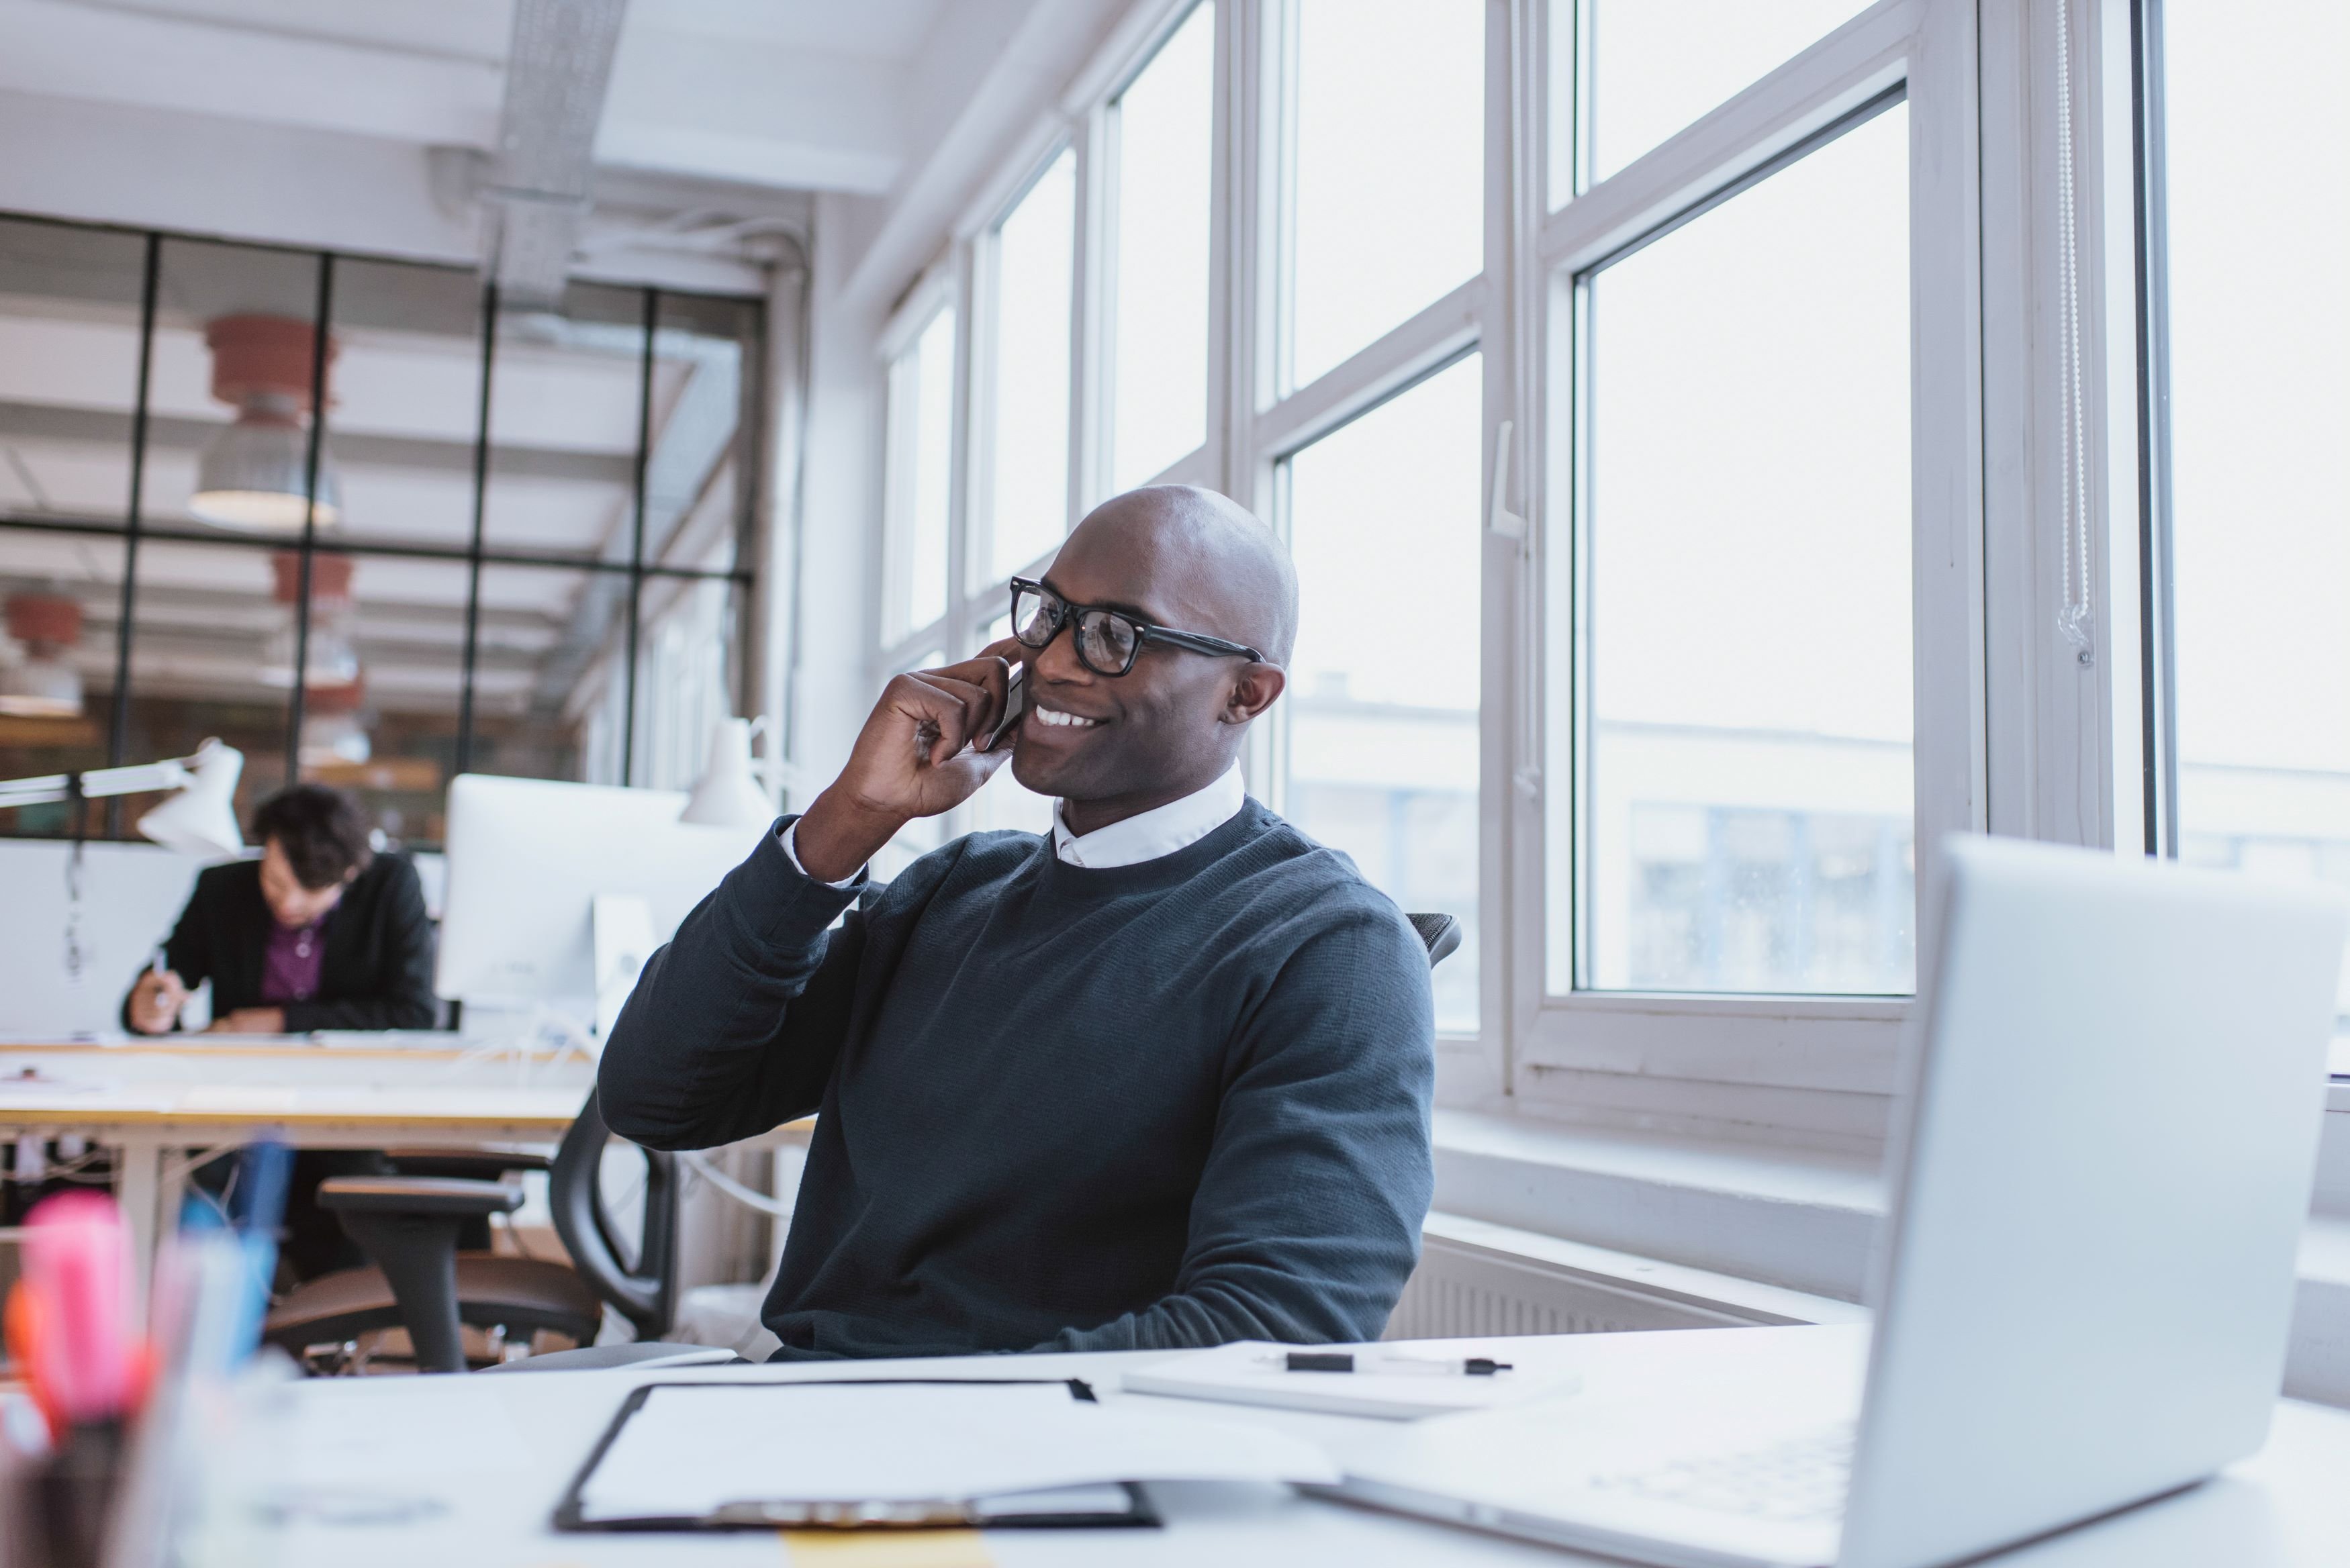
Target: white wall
(131, 894)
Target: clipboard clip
(930, 1514)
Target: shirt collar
(1147, 835)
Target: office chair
(1441, 933)
(409, 1226)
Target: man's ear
(1253, 693)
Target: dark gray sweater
(1171, 1104)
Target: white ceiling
(802, 95)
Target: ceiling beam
(45, 422)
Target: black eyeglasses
(1108, 641)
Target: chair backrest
(1441, 932)
(646, 1294)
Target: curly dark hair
(321, 831)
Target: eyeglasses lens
(1108, 641)
(1036, 617)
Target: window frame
(1614, 1045)
(622, 693)
(2012, 733)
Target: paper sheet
(693, 1448)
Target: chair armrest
(462, 1163)
(419, 1195)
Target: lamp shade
(728, 795)
(202, 818)
(253, 476)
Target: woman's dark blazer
(377, 970)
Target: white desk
(484, 1458)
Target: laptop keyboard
(1797, 1481)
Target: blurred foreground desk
(462, 1471)
(165, 1108)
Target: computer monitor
(529, 860)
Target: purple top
(289, 966)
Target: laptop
(2111, 1094)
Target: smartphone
(1015, 703)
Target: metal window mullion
(118, 737)
(321, 320)
(481, 511)
(2157, 607)
(637, 539)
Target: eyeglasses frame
(1145, 632)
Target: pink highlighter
(77, 1262)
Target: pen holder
(72, 1490)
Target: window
(1165, 134)
(2257, 337)
(1385, 208)
(1652, 66)
(1746, 524)
(465, 596)
(921, 457)
(1028, 413)
(1381, 709)
(1647, 581)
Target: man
(1158, 1078)
(319, 933)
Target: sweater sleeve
(1306, 1223)
(733, 1026)
(405, 962)
(188, 950)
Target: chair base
(519, 1295)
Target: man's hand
(913, 758)
(156, 1001)
(250, 1021)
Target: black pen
(1343, 1361)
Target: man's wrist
(835, 837)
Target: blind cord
(2074, 619)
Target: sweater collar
(1149, 834)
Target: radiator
(1477, 1280)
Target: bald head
(1207, 553)
(1184, 559)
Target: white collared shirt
(1147, 835)
(1162, 830)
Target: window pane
(697, 508)
(62, 597)
(1749, 801)
(1165, 146)
(229, 392)
(685, 677)
(1389, 207)
(68, 369)
(1658, 65)
(389, 734)
(563, 399)
(1028, 503)
(546, 659)
(920, 463)
(2260, 400)
(404, 398)
(1382, 702)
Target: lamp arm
(137, 779)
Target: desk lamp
(729, 793)
(200, 819)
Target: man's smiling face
(1169, 725)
